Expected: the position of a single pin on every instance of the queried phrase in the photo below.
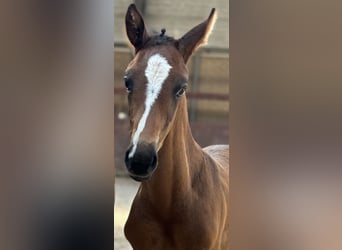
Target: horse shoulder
(218, 159)
(220, 154)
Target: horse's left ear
(197, 36)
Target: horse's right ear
(135, 27)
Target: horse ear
(135, 27)
(197, 36)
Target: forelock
(157, 40)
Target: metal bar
(208, 96)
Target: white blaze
(156, 72)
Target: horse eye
(128, 84)
(180, 92)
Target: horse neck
(179, 159)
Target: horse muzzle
(142, 162)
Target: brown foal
(182, 202)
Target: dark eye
(128, 84)
(181, 91)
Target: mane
(160, 39)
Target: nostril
(154, 160)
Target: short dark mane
(160, 39)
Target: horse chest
(180, 232)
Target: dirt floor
(125, 190)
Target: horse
(182, 201)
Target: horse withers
(182, 202)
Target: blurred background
(56, 125)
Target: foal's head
(156, 80)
